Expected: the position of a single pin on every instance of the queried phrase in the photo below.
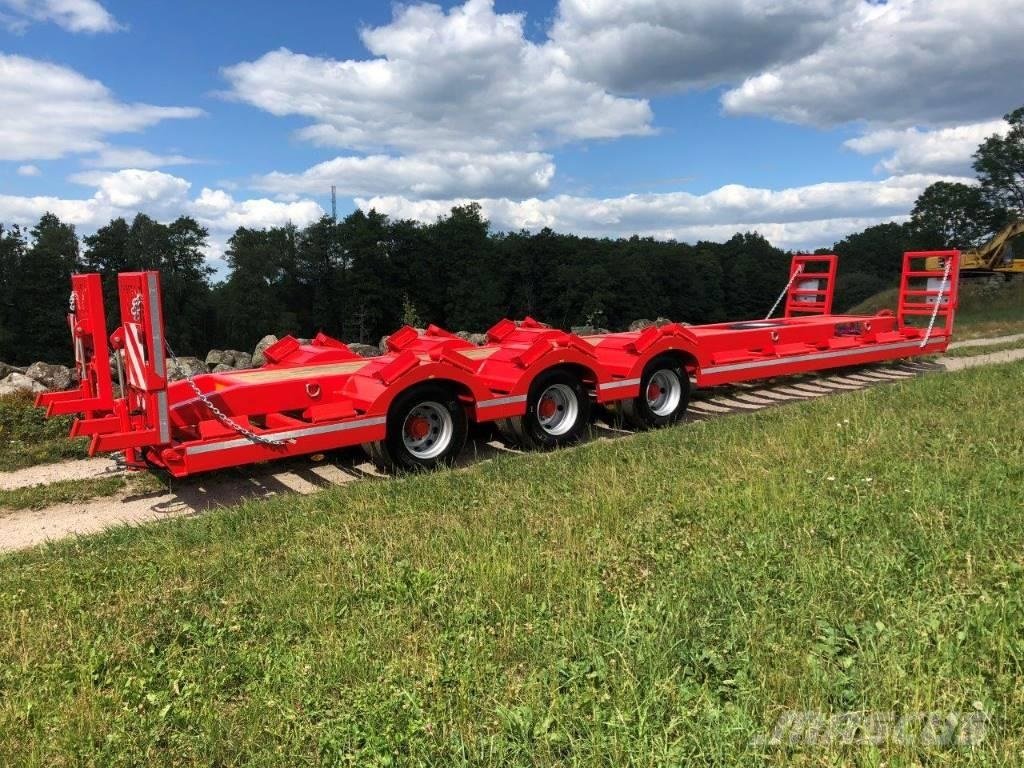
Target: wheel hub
(557, 409)
(664, 392)
(428, 429)
(418, 427)
(547, 408)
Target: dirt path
(26, 528)
(960, 363)
(987, 342)
(44, 474)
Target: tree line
(365, 275)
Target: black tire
(664, 373)
(535, 430)
(404, 451)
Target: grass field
(657, 600)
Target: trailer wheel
(664, 395)
(426, 429)
(557, 412)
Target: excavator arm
(997, 254)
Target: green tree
(12, 258)
(176, 251)
(952, 215)
(252, 303)
(999, 163)
(41, 287)
(466, 270)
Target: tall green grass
(656, 600)
(28, 438)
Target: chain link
(72, 303)
(221, 416)
(136, 308)
(799, 269)
(938, 303)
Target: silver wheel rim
(664, 391)
(427, 430)
(557, 409)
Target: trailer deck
(411, 406)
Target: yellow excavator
(995, 256)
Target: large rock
(364, 350)
(639, 325)
(233, 356)
(662, 321)
(587, 330)
(214, 357)
(258, 358)
(186, 366)
(15, 383)
(478, 338)
(243, 360)
(6, 370)
(222, 368)
(50, 376)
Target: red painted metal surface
(315, 397)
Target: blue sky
(677, 119)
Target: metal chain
(221, 416)
(799, 269)
(72, 303)
(938, 303)
(136, 308)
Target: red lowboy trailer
(411, 407)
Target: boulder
(662, 321)
(383, 346)
(243, 360)
(464, 335)
(187, 366)
(6, 370)
(15, 383)
(477, 338)
(258, 359)
(50, 376)
(364, 350)
(587, 330)
(222, 367)
(233, 356)
(214, 357)
(639, 325)
(228, 358)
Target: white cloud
(163, 196)
(50, 111)
(945, 150)
(464, 81)
(421, 175)
(635, 46)
(72, 15)
(221, 212)
(899, 64)
(800, 217)
(134, 157)
(134, 188)
(29, 170)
